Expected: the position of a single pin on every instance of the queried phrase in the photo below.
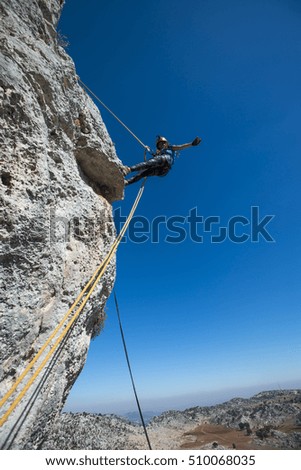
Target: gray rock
(59, 175)
(93, 432)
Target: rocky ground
(269, 420)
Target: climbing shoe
(125, 170)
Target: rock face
(59, 174)
(91, 431)
(269, 420)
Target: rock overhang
(103, 176)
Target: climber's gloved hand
(196, 141)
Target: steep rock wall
(59, 174)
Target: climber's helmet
(161, 142)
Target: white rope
(111, 112)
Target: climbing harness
(130, 371)
(113, 114)
(88, 290)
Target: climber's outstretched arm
(195, 142)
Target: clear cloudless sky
(204, 322)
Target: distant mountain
(268, 420)
(134, 416)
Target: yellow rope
(100, 270)
(34, 360)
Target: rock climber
(161, 161)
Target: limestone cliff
(59, 175)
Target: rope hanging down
(111, 112)
(89, 288)
(130, 371)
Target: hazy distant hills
(134, 416)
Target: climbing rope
(130, 371)
(111, 112)
(92, 283)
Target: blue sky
(203, 321)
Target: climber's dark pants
(158, 166)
